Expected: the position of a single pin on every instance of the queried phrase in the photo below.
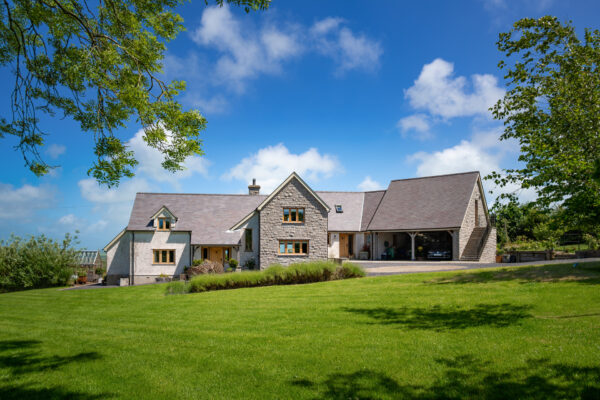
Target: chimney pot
(253, 189)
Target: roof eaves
(163, 207)
(116, 238)
(243, 221)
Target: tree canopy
(552, 108)
(100, 64)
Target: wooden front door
(216, 254)
(343, 245)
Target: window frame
(297, 213)
(293, 243)
(166, 221)
(248, 242)
(171, 256)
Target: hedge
(308, 272)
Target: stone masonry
(272, 228)
(469, 220)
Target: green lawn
(518, 333)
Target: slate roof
(372, 200)
(433, 202)
(352, 205)
(207, 216)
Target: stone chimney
(253, 189)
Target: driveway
(377, 268)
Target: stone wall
(488, 254)
(272, 228)
(469, 220)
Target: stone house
(438, 217)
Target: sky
(349, 94)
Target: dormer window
(338, 208)
(164, 224)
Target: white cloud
(369, 184)
(72, 221)
(418, 123)
(23, 202)
(245, 53)
(92, 191)
(271, 165)
(114, 204)
(150, 160)
(441, 94)
(56, 150)
(351, 51)
(483, 153)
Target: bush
(307, 272)
(177, 287)
(250, 264)
(197, 262)
(36, 263)
(100, 271)
(350, 270)
(206, 267)
(233, 263)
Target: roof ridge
(337, 191)
(202, 194)
(436, 176)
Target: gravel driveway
(376, 268)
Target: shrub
(206, 267)
(350, 270)
(100, 271)
(307, 272)
(81, 273)
(250, 264)
(197, 262)
(233, 263)
(177, 287)
(36, 263)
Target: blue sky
(350, 94)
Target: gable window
(164, 224)
(293, 215)
(293, 247)
(338, 208)
(248, 240)
(164, 256)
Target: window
(205, 253)
(338, 208)
(248, 240)
(164, 256)
(164, 224)
(293, 215)
(293, 247)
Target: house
(437, 217)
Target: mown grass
(499, 333)
(306, 272)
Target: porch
(217, 253)
(433, 245)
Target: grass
(529, 332)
